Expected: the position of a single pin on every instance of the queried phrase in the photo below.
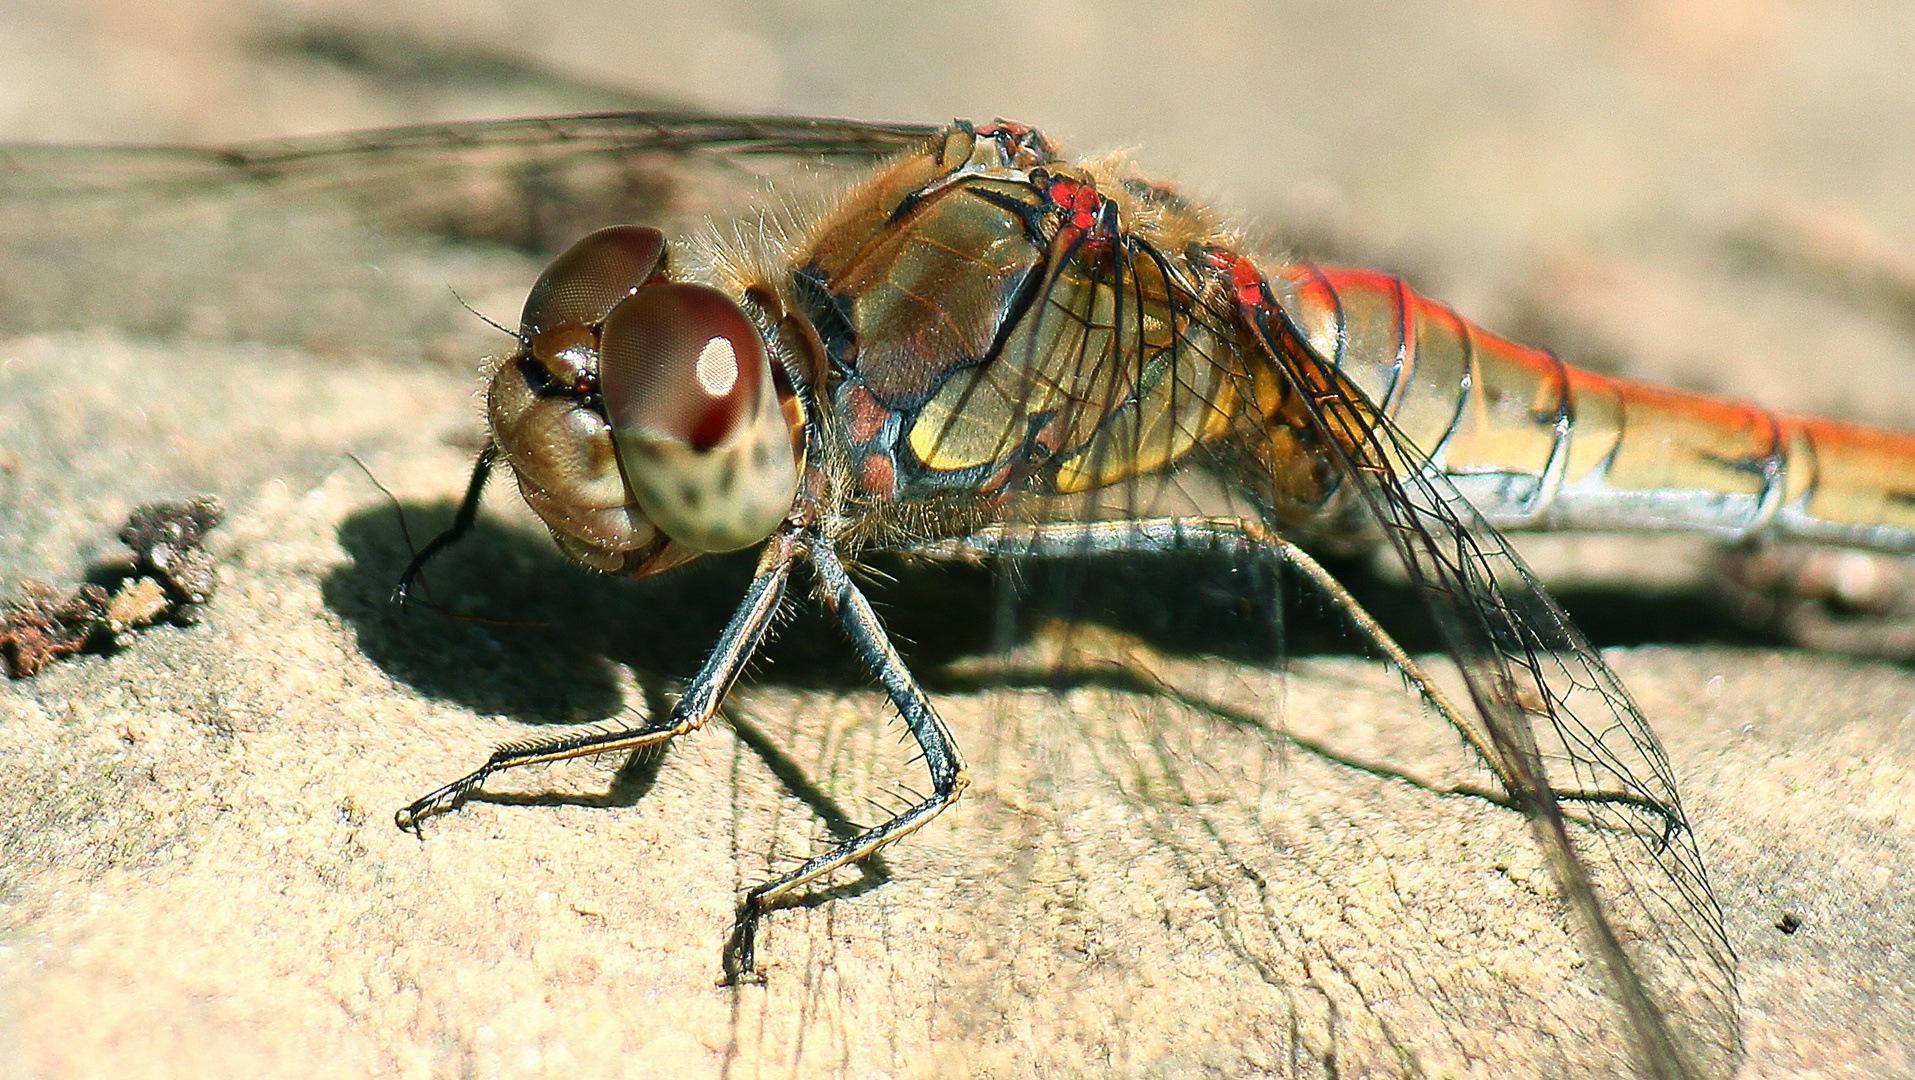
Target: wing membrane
(357, 241)
(1556, 725)
(1130, 370)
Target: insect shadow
(511, 627)
(523, 632)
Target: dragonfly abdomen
(1537, 444)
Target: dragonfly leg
(703, 695)
(462, 522)
(939, 750)
(1161, 535)
(1366, 624)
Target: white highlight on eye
(717, 368)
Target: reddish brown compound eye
(681, 361)
(706, 446)
(582, 285)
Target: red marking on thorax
(876, 476)
(1247, 280)
(1080, 199)
(866, 417)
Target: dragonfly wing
(1555, 724)
(334, 238)
(348, 159)
(1123, 396)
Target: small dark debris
(165, 538)
(171, 577)
(1789, 922)
(44, 624)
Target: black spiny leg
(461, 522)
(941, 758)
(701, 699)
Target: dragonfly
(984, 349)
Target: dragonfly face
(642, 415)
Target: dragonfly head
(643, 416)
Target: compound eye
(582, 285)
(706, 446)
(681, 361)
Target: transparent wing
(1557, 727)
(1135, 398)
(332, 239)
